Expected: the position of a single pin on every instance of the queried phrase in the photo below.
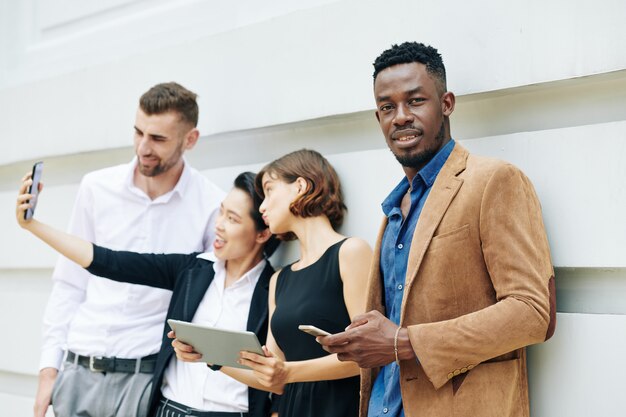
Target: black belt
(101, 364)
(173, 406)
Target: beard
(152, 171)
(162, 166)
(419, 159)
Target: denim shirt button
(385, 410)
(400, 245)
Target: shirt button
(385, 410)
(400, 245)
(399, 286)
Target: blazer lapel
(196, 286)
(258, 306)
(375, 293)
(441, 195)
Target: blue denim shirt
(386, 399)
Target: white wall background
(539, 83)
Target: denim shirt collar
(428, 175)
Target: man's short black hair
(409, 52)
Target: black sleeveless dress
(313, 295)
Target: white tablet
(218, 346)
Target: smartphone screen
(34, 189)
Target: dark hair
(245, 183)
(323, 195)
(409, 52)
(171, 96)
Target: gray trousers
(79, 392)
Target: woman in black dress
(324, 288)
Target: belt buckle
(92, 360)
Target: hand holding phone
(312, 330)
(34, 190)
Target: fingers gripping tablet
(217, 346)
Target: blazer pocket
(449, 237)
(498, 384)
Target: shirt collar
(431, 169)
(183, 181)
(395, 196)
(428, 174)
(179, 188)
(219, 266)
(208, 256)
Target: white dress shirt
(98, 316)
(194, 384)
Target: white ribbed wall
(539, 83)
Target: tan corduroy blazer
(479, 287)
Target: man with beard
(463, 279)
(102, 335)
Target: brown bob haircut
(171, 96)
(323, 195)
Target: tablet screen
(217, 346)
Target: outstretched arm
(72, 247)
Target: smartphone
(34, 189)
(312, 330)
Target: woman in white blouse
(227, 288)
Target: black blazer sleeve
(154, 270)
